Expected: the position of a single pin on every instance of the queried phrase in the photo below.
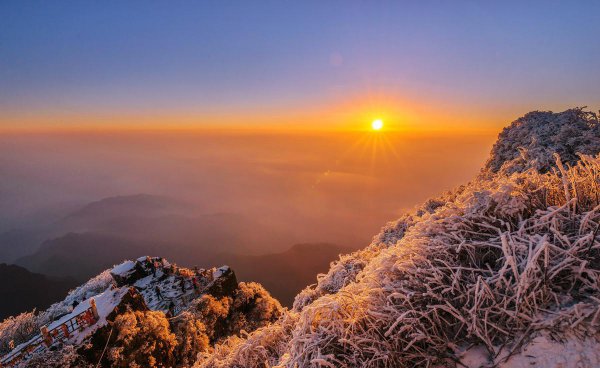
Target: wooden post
(94, 309)
(65, 330)
(46, 335)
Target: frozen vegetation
(142, 313)
(503, 271)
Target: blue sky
(251, 57)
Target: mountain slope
(15, 243)
(22, 290)
(83, 255)
(285, 274)
(161, 315)
(126, 205)
(502, 271)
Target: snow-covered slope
(162, 287)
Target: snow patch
(123, 269)
(544, 351)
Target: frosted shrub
(494, 263)
(262, 348)
(191, 338)
(18, 329)
(347, 268)
(143, 340)
(212, 312)
(531, 141)
(65, 357)
(479, 270)
(92, 287)
(250, 307)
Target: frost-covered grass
(492, 264)
(532, 140)
(479, 270)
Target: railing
(47, 338)
(88, 317)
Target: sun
(377, 124)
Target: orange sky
(449, 67)
(351, 114)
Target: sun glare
(377, 124)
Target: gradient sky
(314, 63)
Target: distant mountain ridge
(127, 205)
(83, 255)
(286, 273)
(21, 290)
(107, 231)
(153, 218)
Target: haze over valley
(72, 204)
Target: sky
(316, 64)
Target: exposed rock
(224, 284)
(128, 272)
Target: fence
(49, 337)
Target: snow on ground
(475, 357)
(171, 293)
(170, 290)
(543, 351)
(219, 272)
(92, 287)
(123, 268)
(105, 304)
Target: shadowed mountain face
(105, 232)
(22, 290)
(84, 255)
(123, 206)
(15, 243)
(287, 273)
(148, 219)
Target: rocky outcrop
(224, 283)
